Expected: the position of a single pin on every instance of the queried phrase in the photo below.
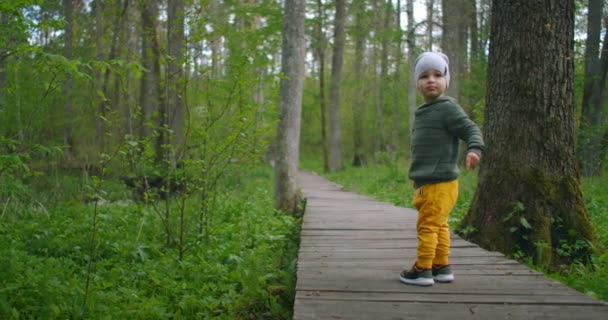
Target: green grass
(388, 182)
(243, 269)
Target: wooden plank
(470, 270)
(305, 309)
(474, 298)
(388, 254)
(352, 250)
(463, 284)
(338, 244)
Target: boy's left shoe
(442, 273)
(417, 276)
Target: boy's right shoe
(417, 276)
(442, 273)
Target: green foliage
(245, 270)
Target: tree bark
(320, 56)
(4, 21)
(411, 62)
(287, 196)
(150, 100)
(335, 151)
(360, 33)
(99, 84)
(429, 24)
(474, 34)
(68, 138)
(175, 79)
(397, 86)
(454, 42)
(591, 129)
(529, 199)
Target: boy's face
(432, 85)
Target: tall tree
(454, 40)
(319, 53)
(430, 23)
(529, 197)
(175, 78)
(411, 62)
(360, 33)
(150, 91)
(68, 135)
(287, 196)
(397, 89)
(591, 130)
(4, 54)
(335, 152)
(474, 30)
(382, 28)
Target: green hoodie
(438, 126)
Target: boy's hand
(472, 160)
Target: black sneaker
(417, 276)
(442, 273)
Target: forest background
(137, 138)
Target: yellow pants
(434, 203)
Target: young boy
(439, 124)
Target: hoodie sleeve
(459, 125)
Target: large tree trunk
(335, 152)
(320, 57)
(454, 42)
(287, 195)
(358, 106)
(175, 79)
(529, 198)
(591, 130)
(150, 90)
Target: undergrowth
(244, 269)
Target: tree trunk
(591, 130)
(358, 107)
(397, 88)
(529, 199)
(474, 34)
(382, 31)
(175, 79)
(320, 56)
(217, 41)
(485, 7)
(99, 84)
(454, 42)
(287, 195)
(411, 63)
(4, 54)
(429, 24)
(68, 138)
(335, 152)
(150, 98)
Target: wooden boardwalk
(352, 251)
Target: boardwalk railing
(353, 249)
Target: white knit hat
(433, 60)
